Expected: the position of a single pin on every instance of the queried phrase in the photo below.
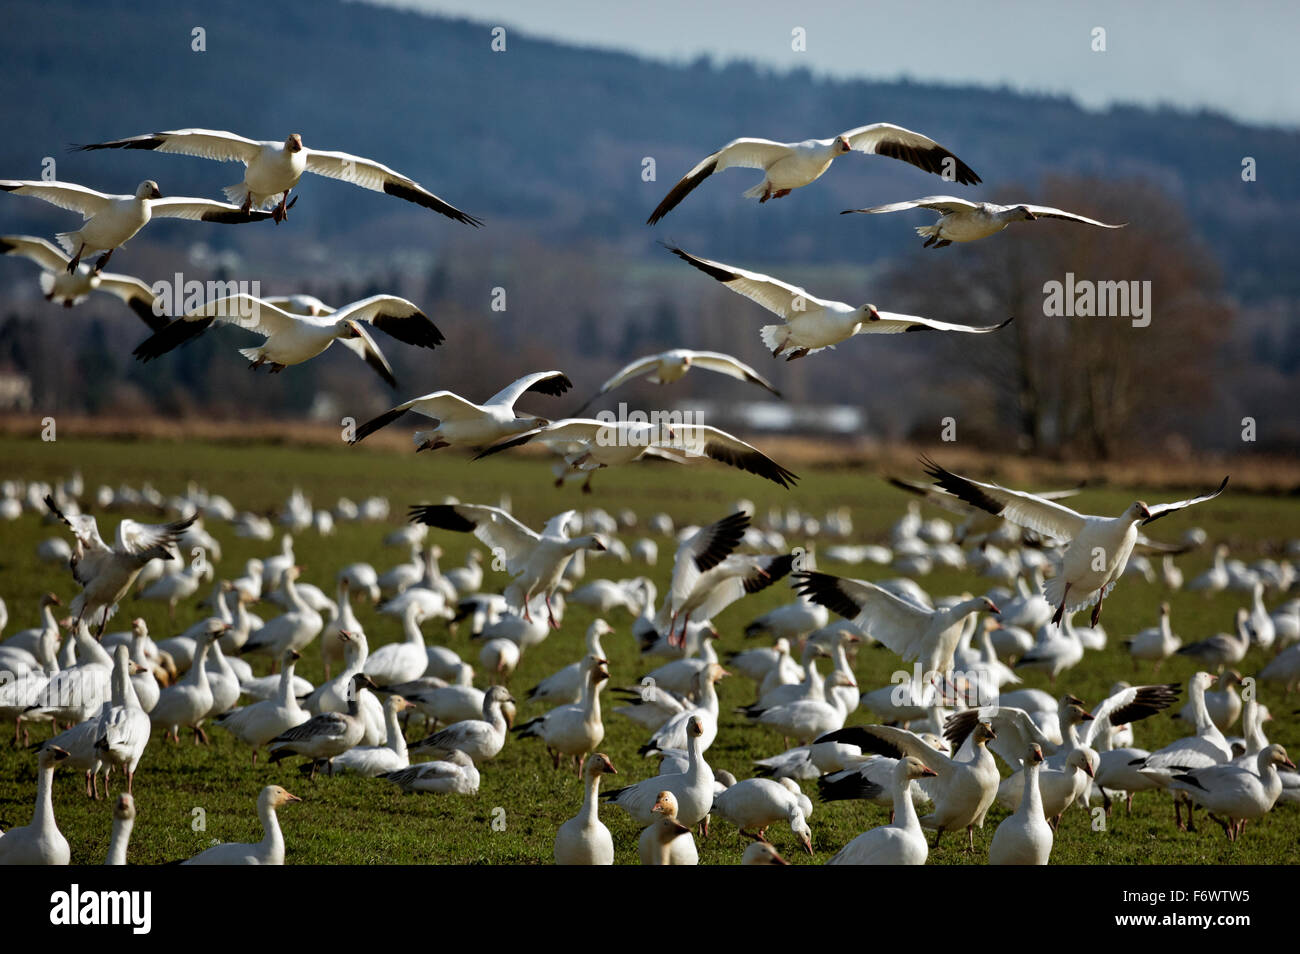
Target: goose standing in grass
(811, 324)
(669, 366)
(293, 339)
(1025, 837)
(693, 788)
(189, 701)
(572, 730)
(565, 686)
(1155, 644)
(1086, 536)
(666, 841)
(123, 822)
(259, 723)
(327, 735)
(293, 629)
(963, 791)
(273, 169)
(400, 662)
(961, 220)
(791, 165)
(443, 702)
(673, 734)
(72, 288)
(1222, 649)
(480, 739)
(901, 842)
(535, 561)
(584, 839)
(1215, 579)
(1237, 793)
(456, 774)
(113, 219)
(268, 851)
(587, 444)
(107, 572)
(1222, 705)
(373, 761)
(41, 842)
(807, 719)
(755, 803)
(122, 731)
(459, 422)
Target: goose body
(268, 851)
(584, 839)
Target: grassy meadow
(363, 821)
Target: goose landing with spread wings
(961, 220)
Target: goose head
(991, 606)
(666, 806)
(1082, 760)
(799, 825)
(1035, 755)
(274, 796)
(1137, 510)
(293, 143)
(983, 733)
(214, 630)
(124, 807)
(1275, 755)
(761, 853)
(348, 328)
(1023, 213)
(840, 146)
(139, 627)
(599, 764)
(290, 657)
(911, 768)
(51, 755)
(694, 727)
(361, 681)
(147, 190)
(498, 695)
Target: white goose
(293, 629)
(566, 685)
(811, 324)
(755, 803)
(459, 422)
(666, 841)
(901, 842)
(1085, 535)
(272, 169)
(293, 339)
(808, 719)
(122, 731)
(693, 788)
(674, 733)
(584, 839)
(1237, 793)
(456, 774)
(106, 573)
(400, 662)
(535, 561)
(1154, 644)
(373, 761)
(1025, 837)
(961, 220)
(761, 853)
(123, 822)
(41, 842)
(259, 723)
(963, 791)
(72, 288)
(572, 730)
(790, 165)
(113, 219)
(323, 737)
(669, 366)
(481, 739)
(268, 851)
(189, 701)
(1222, 649)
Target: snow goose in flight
(327, 735)
(901, 842)
(788, 166)
(668, 366)
(584, 839)
(961, 220)
(107, 572)
(755, 803)
(1238, 793)
(113, 219)
(293, 339)
(588, 444)
(461, 422)
(41, 842)
(963, 791)
(913, 631)
(268, 851)
(72, 288)
(1086, 536)
(274, 168)
(811, 324)
(535, 561)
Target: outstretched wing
(550, 383)
(776, 296)
(890, 323)
(895, 142)
(1162, 510)
(1026, 510)
(739, 153)
(66, 195)
(898, 623)
(492, 525)
(943, 204)
(394, 316)
(203, 143)
(379, 178)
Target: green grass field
(363, 821)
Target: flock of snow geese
(932, 745)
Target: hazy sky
(1234, 57)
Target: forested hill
(548, 140)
